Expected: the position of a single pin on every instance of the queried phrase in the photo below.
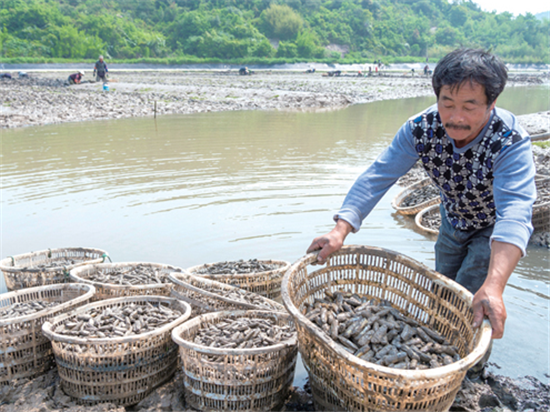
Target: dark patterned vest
(464, 179)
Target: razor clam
(59, 263)
(242, 333)
(234, 267)
(27, 308)
(118, 321)
(135, 275)
(421, 195)
(376, 332)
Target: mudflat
(46, 97)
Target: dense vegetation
(263, 30)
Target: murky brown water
(186, 190)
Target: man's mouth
(457, 126)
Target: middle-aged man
(480, 159)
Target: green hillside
(247, 30)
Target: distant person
(426, 68)
(370, 70)
(5, 76)
(23, 75)
(243, 71)
(100, 70)
(76, 78)
(311, 70)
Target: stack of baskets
(267, 283)
(25, 352)
(205, 295)
(109, 290)
(121, 370)
(23, 271)
(341, 381)
(254, 379)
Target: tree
(281, 22)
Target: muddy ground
(46, 97)
(492, 393)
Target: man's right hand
(331, 242)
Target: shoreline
(45, 98)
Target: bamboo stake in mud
(155, 109)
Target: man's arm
(488, 299)
(367, 190)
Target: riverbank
(46, 98)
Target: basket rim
(407, 191)
(420, 215)
(176, 334)
(284, 266)
(435, 373)
(221, 285)
(5, 264)
(74, 275)
(57, 337)
(88, 295)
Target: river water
(187, 190)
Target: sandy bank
(45, 98)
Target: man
(76, 78)
(480, 159)
(100, 70)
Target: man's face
(101, 59)
(464, 111)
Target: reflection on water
(187, 190)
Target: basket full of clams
(116, 350)
(241, 360)
(378, 331)
(416, 197)
(25, 352)
(258, 276)
(113, 280)
(46, 267)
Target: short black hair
(473, 65)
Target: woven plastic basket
(110, 290)
(541, 212)
(266, 283)
(430, 211)
(121, 370)
(25, 351)
(408, 191)
(343, 382)
(205, 295)
(255, 379)
(19, 272)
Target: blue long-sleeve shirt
(512, 193)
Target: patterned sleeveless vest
(464, 179)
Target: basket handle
(106, 256)
(12, 260)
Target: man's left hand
(490, 303)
